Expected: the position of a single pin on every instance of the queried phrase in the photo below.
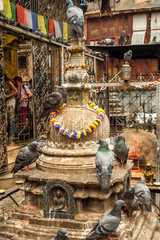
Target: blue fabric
(34, 20)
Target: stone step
(148, 230)
(157, 233)
(40, 232)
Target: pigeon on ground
(107, 41)
(153, 40)
(26, 156)
(121, 38)
(104, 160)
(143, 194)
(53, 101)
(127, 56)
(108, 223)
(127, 41)
(61, 235)
(121, 150)
(131, 202)
(75, 17)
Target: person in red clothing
(22, 98)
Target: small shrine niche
(58, 200)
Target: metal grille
(41, 82)
(23, 3)
(128, 109)
(3, 138)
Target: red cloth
(51, 26)
(21, 15)
(23, 115)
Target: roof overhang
(143, 51)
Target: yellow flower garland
(84, 132)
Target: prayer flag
(65, 31)
(21, 15)
(34, 20)
(57, 29)
(69, 30)
(61, 28)
(1, 5)
(41, 24)
(13, 10)
(46, 24)
(51, 26)
(7, 9)
(29, 18)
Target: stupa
(63, 191)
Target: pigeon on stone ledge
(61, 235)
(121, 150)
(127, 56)
(108, 223)
(53, 101)
(26, 156)
(121, 38)
(153, 40)
(75, 17)
(104, 160)
(131, 203)
(143, 194)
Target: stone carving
(148, 174)
(58, 200)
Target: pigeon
(53, 101)
(107, 41)
(26, 156)
(153, 40)
(121, 38)
(104, 160)
(75, 17)
(121, 150)
(143, 194)
(131, 202)
(127, 56)
(41, 143)
(61, 235)
(49, 36)
(127, 41)
(108, 223)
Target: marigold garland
(84, 132)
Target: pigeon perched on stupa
(104, 160)
(121, 38)
(127, 56)
(143, 194)
(107, 41)
(26, 156)
(108, 223)
(75, 17)
(61, 235)
(53, 101)
(131, 202)
(121, 151)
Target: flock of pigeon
(138, 197)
